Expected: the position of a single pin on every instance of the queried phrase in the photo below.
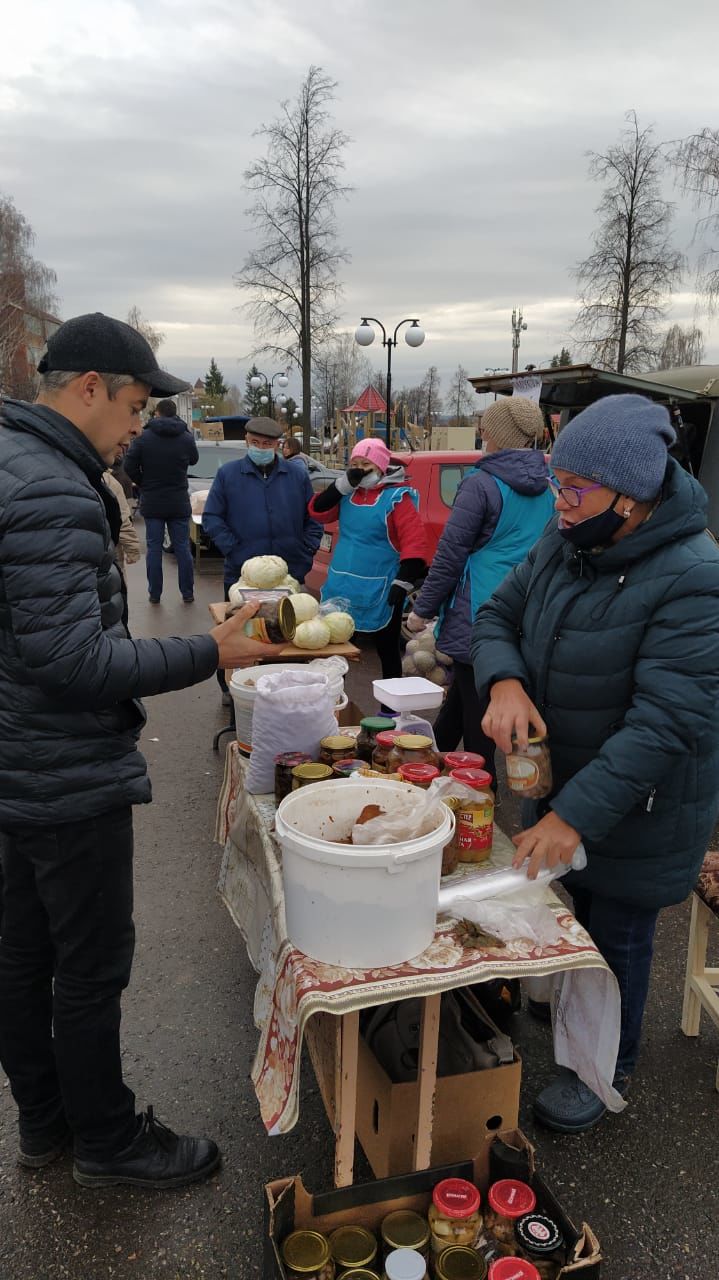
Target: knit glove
(349, 481)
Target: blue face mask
(260, 457)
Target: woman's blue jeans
(625, 936)
(179, 532)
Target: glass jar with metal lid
(474, 832)
(285, 762)
(352, 1247)
(507, 1201)
(405, 1264)
(529, 771)
(367, 739)
(419, 775)
(454, 1214)
(405, 1229)
(411, 748)
(462, 760)
(339, 746)
(303, 774)
(458, 1263)
(306, 1256)
(512, 1269)
(345, 768)
(540, 1241)
(381, 753)
(360, 1273)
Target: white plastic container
(408, 693)
(362, 907)
(243, 684)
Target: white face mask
(370, 480)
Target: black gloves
(398, 592)
(409, 571)
(350, 479)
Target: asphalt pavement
(645, 1181)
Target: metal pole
(389, 391)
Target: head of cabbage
(341, 626)
(264, 571)
(314, 634)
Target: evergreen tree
(214, 382)
(253, 395)
(559, 361)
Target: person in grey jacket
(606, 639)
(70, 770)
(500, 510)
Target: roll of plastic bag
(497, 884)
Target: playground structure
(368, 417)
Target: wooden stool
(700, 988)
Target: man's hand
(235, 648)
(510, 711)
(546, 844)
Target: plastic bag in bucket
(293, 712)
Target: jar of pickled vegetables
(419, 775)
(529, 771)
(304, 774)
(507, 1201)
(462, 760)
(352, 1247)
(458, 1263)
(360, 1273)
(306, 1256)
(540, 1241)
(405, 1229)
(285, 762)
(454, 1214)
(367, 738)
(337, 747)
(380, 755)
(411, 748)
(450, 853)
(475, 818)
(512, 1269)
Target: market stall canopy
(575, 386)
(369, 402)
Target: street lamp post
(256, 382)
(365, 335)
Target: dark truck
(691, 395)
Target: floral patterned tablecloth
(292, 986)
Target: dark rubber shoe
(156, 1158)
(541, 1010)
(35, 1153)
(567, 1105)
(154, 599)
(188, 599)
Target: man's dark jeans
(625, 935)
(179, 534)
(65, 957)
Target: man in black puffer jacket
(157, 462)
(70, 769)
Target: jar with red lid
(462, 760)
(455, 1217)
(512, 1269)
(507, 1201)
(475, 818)
(380, 755)
(420, 775)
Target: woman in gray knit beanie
(606, 640)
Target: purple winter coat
(471, 525)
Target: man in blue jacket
(257, 506)
(157, 463)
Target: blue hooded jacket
(471, 525)
(253, 513)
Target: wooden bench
(701, 987)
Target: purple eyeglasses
(571, 493)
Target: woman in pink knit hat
(382, 548)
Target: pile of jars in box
(380, 751)
(457, 1240)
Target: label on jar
(475, 827)
(522, 774)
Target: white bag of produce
(293, 711)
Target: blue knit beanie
(619, 441)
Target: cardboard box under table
(290, 1207)
(298, 996)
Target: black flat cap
(99, 343)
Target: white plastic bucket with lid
(359, 906)
(243, 688)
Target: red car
(436, 477)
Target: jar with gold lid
(339, 746)
(305, 774)
(411, 748)
(460, 1263)
(306, 1256)
(405, 1229)
(352, 1247)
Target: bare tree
(681, 347)
(697, 159)
(143, 326)
(292, 276)
(341, 372)
(461, 397)
(27, 295)
(624, 283)
(431, 397)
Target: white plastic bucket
(243, 688)
(362, 907)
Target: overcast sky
(126, 128)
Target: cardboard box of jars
(290, 1207)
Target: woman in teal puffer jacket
(607, 636)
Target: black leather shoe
(35, 1153)
(156, 1158)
